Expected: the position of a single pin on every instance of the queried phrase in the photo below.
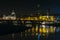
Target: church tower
(13, 15)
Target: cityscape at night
(30, 20)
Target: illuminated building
(45, 18)
(10, 17)
(41, 18)
(33, 31)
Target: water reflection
(42, 31)
(39, 31)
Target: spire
(38, 6)
(47, 14)
(13, 13)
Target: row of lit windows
(43, 18)
(50, 18)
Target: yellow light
(44, 30)
(36, 28)
(33, 30)
(41, 30)
(47, 30)
(28, 30)
(40, 17)
(43, 18)
(35, 18)
(52, 29)
(29, 18)
(21, 19)
(36, 34)
(25, 19)
(32, 18)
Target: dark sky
(25, 6)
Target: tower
(13, 15)
(38, 7)
(47, 14)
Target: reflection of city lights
(52, 29)
(36, 34)
(43, 22)
(57, 29)
(43, 26)
(32, 34)
(28, 25)
(25, 34)
(47, 31)
(33, 30)
(44, 30)
(23, 22)
(36, 29)
(41, 31)
(28, 30)
(43, 34)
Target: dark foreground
(55, 36)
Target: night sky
(27, 6)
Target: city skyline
(27, 6)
